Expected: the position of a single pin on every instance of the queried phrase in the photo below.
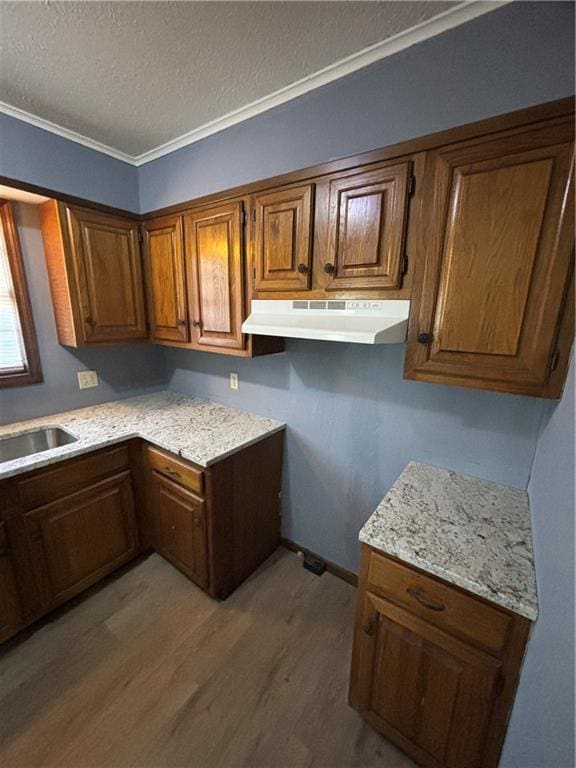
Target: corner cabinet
(166, 279)
(493, 280)
(434, 668)
(95, 275)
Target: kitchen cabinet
(215, 270)
(434, 668)
(366, 229)
(282, 238)
(492, 284)
(10, 608)
(95, 275)
(166, 279)
(181, 528)
(78, 539)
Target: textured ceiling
(134, 75)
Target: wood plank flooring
(147, 671)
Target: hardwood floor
(148, 671)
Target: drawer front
(176, 469)
(438, 603)
(71, 476)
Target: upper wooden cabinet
(95, 274)
(282, 239)
(215, 270)
(165, 272)
(492, 281)
(367, 222)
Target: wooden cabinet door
(282, 239)
(106, 258)
(181, 529)
(10, 609)
(367, 223)
(499, 239)
(78, 539)
(214, 265)
(431, 693)
(168, 306)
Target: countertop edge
(521, 609)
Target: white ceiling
(135, 76)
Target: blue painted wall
(122, 370)
(354, 424)
(542, 726)
(517, 56)
(39, 157)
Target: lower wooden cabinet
(65, 527)
(437, 680)
(181, 528)
(78, 539)
(10, 608)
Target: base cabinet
(80, 538)
(181, 528)
(10, 608)
(440, 689)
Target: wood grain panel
(282, 250)
(82, 537)
(181, 521)
(176, 469)
(10, 609)
(496, 249)
(367, 226)
(214, 262)
(166, 280)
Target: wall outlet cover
(233, 381)
(87, 379)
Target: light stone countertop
(470, 532)
(198, 430)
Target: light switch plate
(233, 381)
(87, 379)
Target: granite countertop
(473, 533)
(198, 430)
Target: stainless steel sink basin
(18, 446)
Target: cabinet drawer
(71, 476)
(176, 469)
(438, 603)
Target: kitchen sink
(18, 446)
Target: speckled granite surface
(198, 430)
(470, 532)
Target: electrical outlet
(87, 379)
(233, 381)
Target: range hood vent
(360, 321)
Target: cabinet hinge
(140, 236)
(243, 217)
(254, 215)
(405, 264)
(554, 361)
(412, 186)
(499, 685)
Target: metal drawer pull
(420, 597)
(171, 472)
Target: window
(19, 359)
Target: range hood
(353, 320)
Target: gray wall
(517, 56)
(38, 157)
(542, 726)
(123, 370)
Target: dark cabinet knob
(89, 321)
(181, 322)
(329, 268)
(302, 268)
(196, 323)
(424, 338)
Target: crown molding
(466, 11)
